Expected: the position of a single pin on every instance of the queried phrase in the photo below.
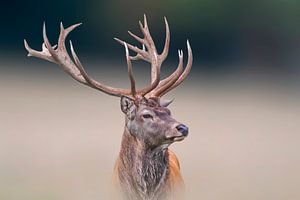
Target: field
(59, 140)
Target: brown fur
(132, 159)
(174, 177)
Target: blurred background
(59, 139)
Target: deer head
(151, 122)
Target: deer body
(145, 169)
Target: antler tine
(186, 71)
(76, 70)
(138, 56)
(64, 33)
(130, 73)
(145, 22)
(168, 82)
(165, 52)
(80, 66)
(94, 84)
(148, 38)
(44, 54)
(137, 37)
(47, 43)
(140, 52)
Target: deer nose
(183, 129)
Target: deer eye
(147, 116)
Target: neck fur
(143, 170)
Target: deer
(146, 169)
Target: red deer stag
(146, 168)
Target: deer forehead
(160, 114)
(157, 110)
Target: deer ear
(165, 102)
(128, 107)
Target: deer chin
(179, 138)
(176, 138)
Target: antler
(58, 54)
(150, 55)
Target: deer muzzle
(181, 131)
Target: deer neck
(143, 169)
